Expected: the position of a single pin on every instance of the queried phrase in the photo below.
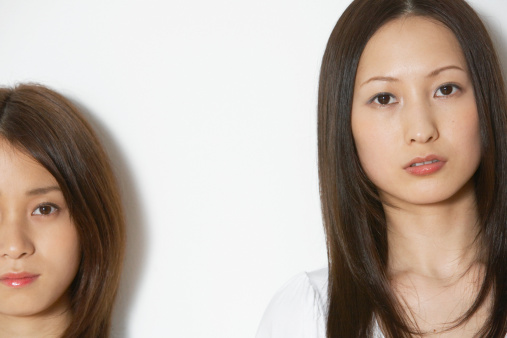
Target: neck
(434, 264)
(437, 241)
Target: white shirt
(299, 309)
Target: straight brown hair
(359, 289)
(49, 128)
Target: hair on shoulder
(353, 216)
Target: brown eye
(44, 210)
(384, 99)
(446, 90)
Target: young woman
(61, 221)
(412, 165)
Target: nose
(419, 123)
(15, 242)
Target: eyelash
(455, 88)
(375, 98)
(54, 209)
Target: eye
(383, 99)
(45, 209)
(446, 90)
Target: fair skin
(37, 238)
(416, 129)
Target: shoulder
(298, 309)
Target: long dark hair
(49, 128)
(354, 220)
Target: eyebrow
(440, 70)
(393, 79)
(380, 78)
(43, 190)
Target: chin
(19, 311)
(431, 197)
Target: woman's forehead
(408, 45)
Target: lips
(417, 164)
(421, 166)
(18, 279)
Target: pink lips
(18, 280)
(421, 166)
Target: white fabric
(299, 309)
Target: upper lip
(424, 159)
(17, 275)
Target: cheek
(475, 146)
(472, 130)
(374, 145)
(464, 133)
(63, 253)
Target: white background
(208, 110)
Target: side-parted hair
(354, 220)
(50, 129)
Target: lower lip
(19, 282)
(425, 169)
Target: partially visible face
(414, 116)
(39, 246)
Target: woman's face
(414, 116)
(39, 246)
